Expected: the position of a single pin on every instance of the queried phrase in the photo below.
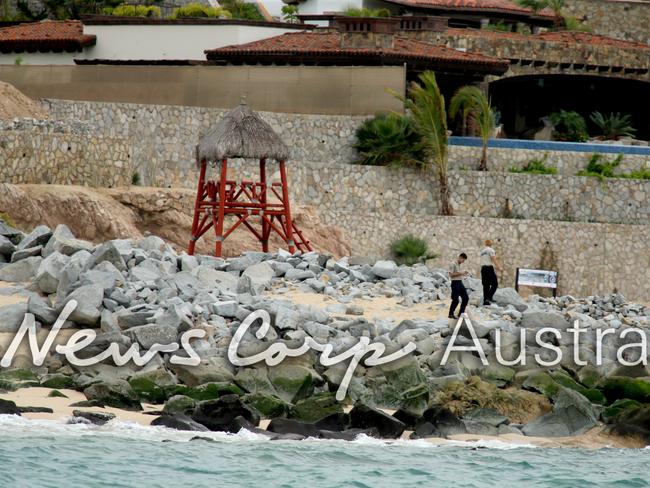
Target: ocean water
(47, 454)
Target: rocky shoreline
(144, 293)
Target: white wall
(38, 58)
(169, 41)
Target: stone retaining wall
(58, 153)
(566, 162)
(167, 135)
(590, 258)
(341, 192)
(614, 18)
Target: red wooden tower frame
(260, 206)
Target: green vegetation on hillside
(535, 167)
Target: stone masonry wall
(165, 138)
(167, 135)
(566, 162)
(619, 18)
(590, 258)
(66, 154)
(342, 192)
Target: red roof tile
(329, 44)
(45, 36)
(497, 6)
(568, 37)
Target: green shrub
(125, 10)
(569, 126)
(536, 167)
(499, 26)
(290, 13)
(613, 126)
(193, 10)
(389, 139)
(241, 10)
(640, 174)
(599, 168)
(136, 179)
(410, 250)
(366, 12)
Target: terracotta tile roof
(329, 44)
(568, 37)
(497, 6)
(47, 35)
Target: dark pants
(490, 282)
(458, 291)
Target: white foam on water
(16, 426)
(492, 444)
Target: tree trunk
(483, 164)
(445, 204)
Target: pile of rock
(144, 293)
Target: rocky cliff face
(101, 214)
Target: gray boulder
(509, 296)
(22, 271)
(210, 278)
(148, 335)
(49, 272)
(11, 316)
(65, 242)
(70, 273)
(41, 310)
(215, 368)
(108, 251)
(537, 319)
(89, 304)
(572, 414)
(6, 246)
(29, 252)
(384, 269)
(37, 237)
(261, 275)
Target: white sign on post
(536, 277)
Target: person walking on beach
(489, 267)
(457, 287)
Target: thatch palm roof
(242, 133)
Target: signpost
(537, 278)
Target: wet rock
(364, 417)
(219, 414)
(96, 418)
(117, 394)
(7, 407)
(179, 421)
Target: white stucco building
(127, 39)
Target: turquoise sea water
(48, 454)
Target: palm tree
(427, 107)
(471, 101)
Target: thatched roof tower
(241, 133)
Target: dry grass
(518, 405)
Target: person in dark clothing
(489, 268)
(458, 290)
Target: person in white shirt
(489, 267)
(458, 289)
